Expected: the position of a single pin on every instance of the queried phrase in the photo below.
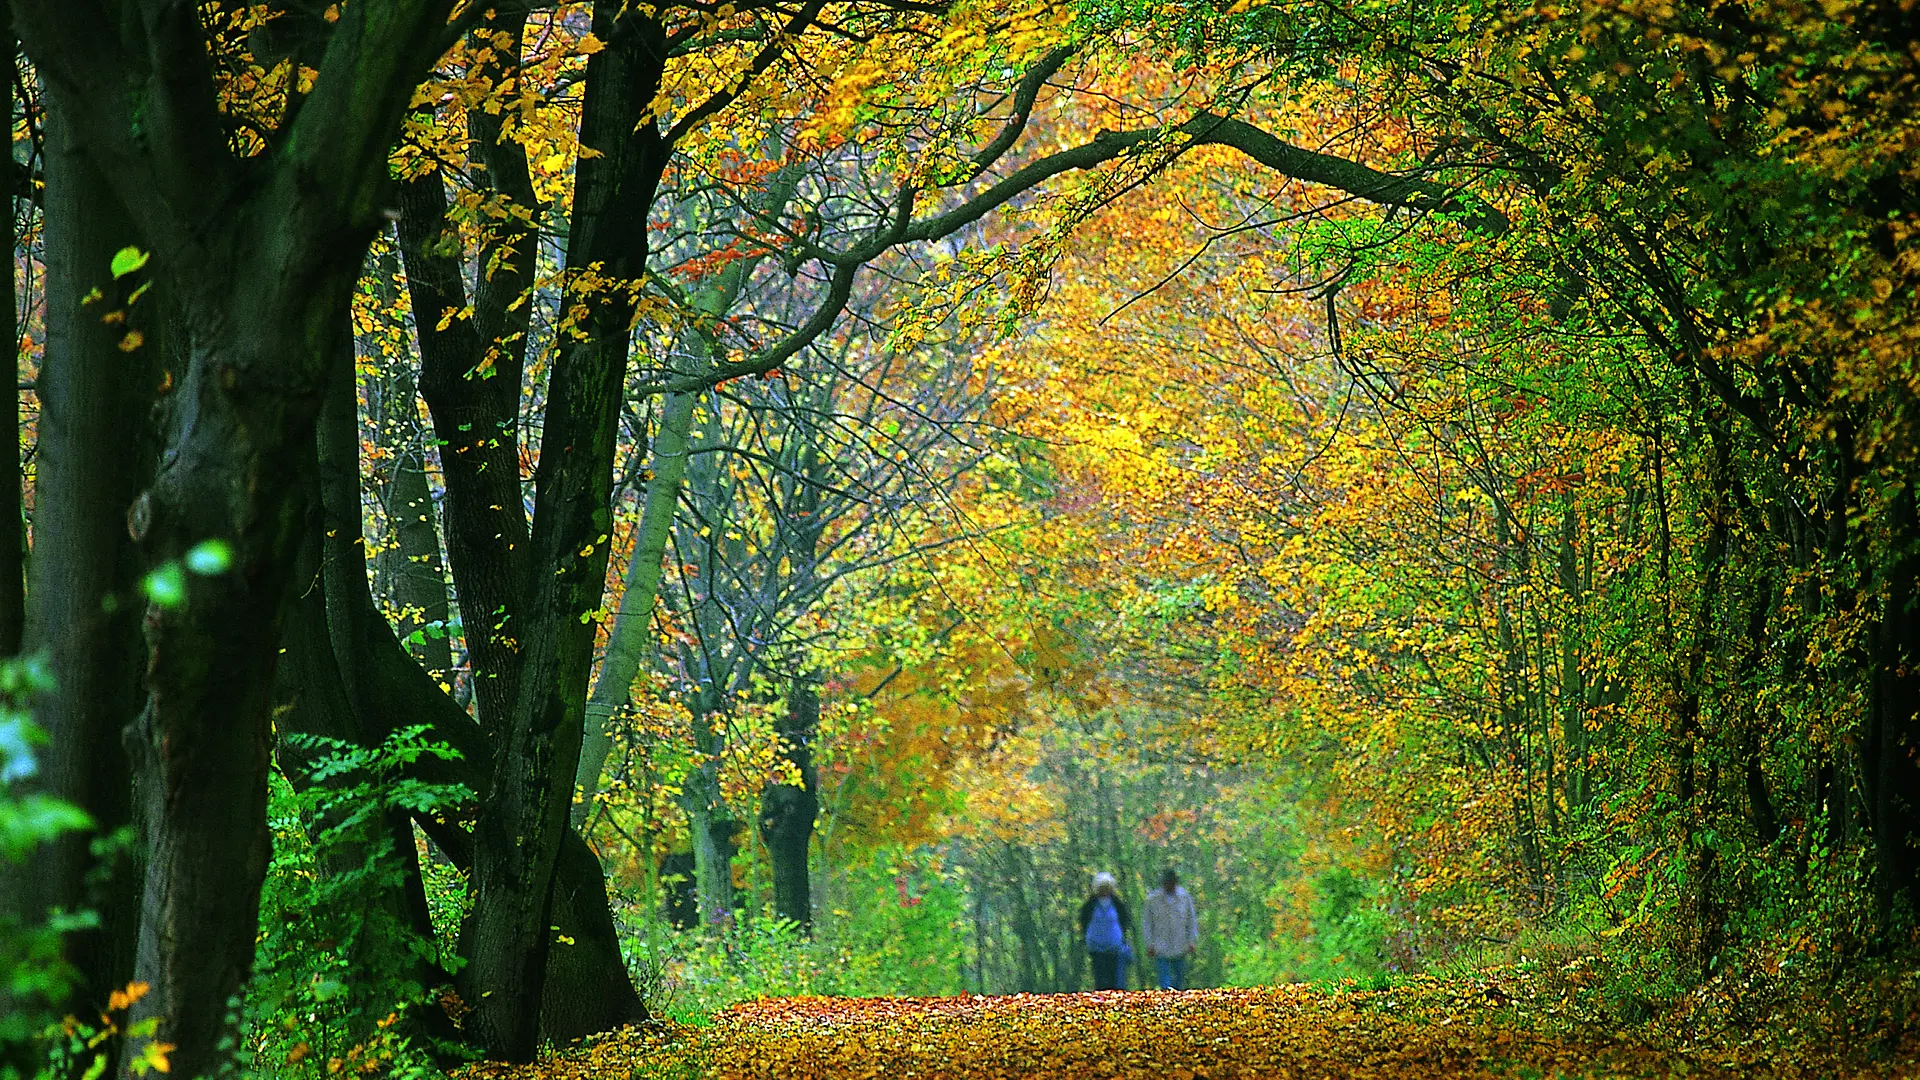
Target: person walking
(1173, 931)
(1103, 926)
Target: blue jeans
(1172, 971)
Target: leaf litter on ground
(1420, 1029)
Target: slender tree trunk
(95, 451)
(711, 831)
(415, 577)
(412, 574)
(13, 536)
(477, 422)
(630, 640)
(312, 699)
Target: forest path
(1426, 1028)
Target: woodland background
(532, 518)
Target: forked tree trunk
(587, 988)
(523, 820)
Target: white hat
(1103, 879)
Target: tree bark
(471, 375)
(587, 989)
(1891, 751)
(259, 256)
(412, 574)
(788, 811)
(13, 535)
(477, 421)
(312, 699)
(95, 451)
(523, 819)
(629, 642)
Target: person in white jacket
(1172, 931)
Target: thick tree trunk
(203, 742)
(523, 819)
(787, 811)
(587, 987)
(95, 451)
(235, 456)
(258, 258)
(1890, 755)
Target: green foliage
(34, 975)
(340, 965)
(129, 259)
(889, 926)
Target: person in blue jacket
(1105, 925)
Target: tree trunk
(631, 637)
(587, 987)
(312, 699)
(787, 811)
(524, 817)
(413, 577)
(477, 422)
(258, 257)
(95, 450)
(13, 536)
(712, 866)
(203, 742)
(1890, 756)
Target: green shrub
(339, 966)
(36, 975)
(891, 926)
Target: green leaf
(127, 260)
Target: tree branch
(761, 62)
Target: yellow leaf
(124, 999)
